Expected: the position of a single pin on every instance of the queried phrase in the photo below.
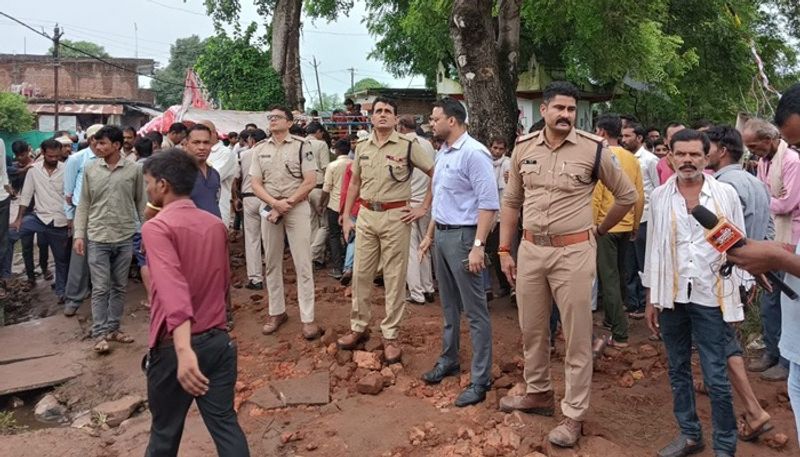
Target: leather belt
(318, 186)
(556, 241)
(454, 227)
(383, 206)
(246, 194)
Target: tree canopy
(14, 114)
(366, 83)
(329, 102)
(183, 55)
(237, 74)
(85, 46)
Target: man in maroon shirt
(191, 355)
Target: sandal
(748, 433)
(120, 337)
(700, 387)
(102, 347)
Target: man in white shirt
(224, 161)
(501, 162)
(419, 275)
(688, 300)
(44, 183)
(633, 135)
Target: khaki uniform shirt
(322, 157)
(280, 166)
(554, 185)
(373, 164)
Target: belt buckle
(542, 240)
(375, 206)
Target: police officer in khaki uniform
(382, 170)
(283, 172)
(552, 178)
(319, 224)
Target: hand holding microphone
(725, 236)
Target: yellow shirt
(603, 199)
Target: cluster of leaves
(237, 73)
(85, 46)
(14, 114)
(168, 88)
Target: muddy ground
(631, 406)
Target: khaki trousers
(294, 225)
(252, 238)
(319, 227)
(566, 275)
(381, 239)
(420, 277)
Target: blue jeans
(704, 326)
(794, 393)
(350, 252)
(57, 238)
(771, 323)
(109, 264)
(27, 253)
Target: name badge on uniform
(309, 156)
(529, 162)
(363, 157)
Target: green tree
(329, 102)
(14, 114)
(168, 87)
(85, 46)
(237, 74)
(367, 83)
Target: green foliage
(367, 83)
(329, 102)
(85, 46)
(183, 55)
(14, 114)
(237, 73)
(8, 423)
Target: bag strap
(596, 167)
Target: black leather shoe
(681, 446)
(429, 297)
(439, 372)
(471, 395)
(414, 302)
(255, 285)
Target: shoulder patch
(590, 136)
(309, 156)
(530, 136)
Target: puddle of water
(24, 416)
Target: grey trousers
(462, 291)
(77, 287)
(109, 264)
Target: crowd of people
(562, 221)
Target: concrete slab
(37, 338)
(266, 398)
(314, 389)
(37, 373)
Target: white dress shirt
(648, 162)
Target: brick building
(90, 91)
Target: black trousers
(169, 403)
(335, 241)
(492, 244)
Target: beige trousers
(319, 227)
(420, 276)
(252, 238)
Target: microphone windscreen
(705, 217)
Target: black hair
(286, 111)
(178, 127)
(628, 118)
(538, 125)
(658, 142)
(297, 130)
(198, 128)
(156, 137)
(349, 101)
(789, 104)
(244, 135)
(342, 146)
(20, 146)
(247, 126)
(174, 166)
(257, 135)
(112, 132)
(611, 123)
(559, 88)
(408, 122)
(314, 127)
(653, 128)
(498, 139)
(452, 108)
(143, 147)
(314, 113)
(50, 144)
(672, 124)
(690, 135)
(729, 138)
(638, 129)
(353, 137)
(702, 123)
(130, 129)
(387, 101)
(230, 134)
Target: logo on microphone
(723, 236)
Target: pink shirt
(663, 169)
(187, 252)
(789, 203)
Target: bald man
(224, 161)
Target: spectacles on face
(275, 117)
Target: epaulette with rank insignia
(530, 136)
(590, 136)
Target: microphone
(723, 236)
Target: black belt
(246, 194)
(318, 186)
(454, 227)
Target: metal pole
(319, 90)
(56, 39)
(352, 79)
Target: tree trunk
(487, 68)
(285, 49)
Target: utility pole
(136, 40)
(319, 90)
(57, 33)
(352, 79)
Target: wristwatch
(479, 244)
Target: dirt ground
(631, 405)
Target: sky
(337, 46)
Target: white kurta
(224, 161)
